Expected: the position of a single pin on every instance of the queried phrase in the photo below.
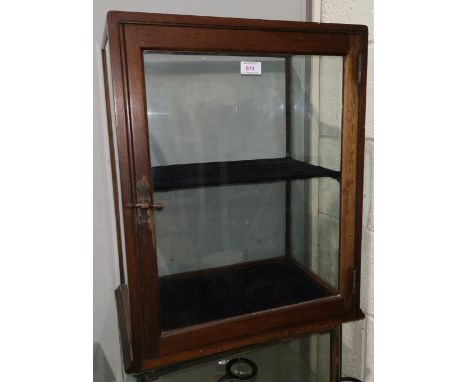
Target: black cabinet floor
(202, 296)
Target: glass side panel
(241, 165)
(306, 359)
(316, 119)
(116, 158)
(315, 226)
(316, 112)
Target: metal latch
(146, 205)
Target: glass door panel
(248, 174)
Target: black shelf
(213, 294)
(235, 172)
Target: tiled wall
(358, 338)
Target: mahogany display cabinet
(236, 149)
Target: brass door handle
(146, 205)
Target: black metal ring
(249, 362)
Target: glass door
(243, 169)
(246, 168)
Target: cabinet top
(120, 17)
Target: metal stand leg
(335, 354)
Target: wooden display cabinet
(237, 160)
